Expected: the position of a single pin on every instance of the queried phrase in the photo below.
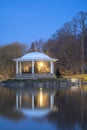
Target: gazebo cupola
(35, 65)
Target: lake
(43, 109)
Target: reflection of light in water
(84, 88)
(74, 88)
(41, 97)
(44, 104)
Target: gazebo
(35, 65)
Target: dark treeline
(7, 53)
(68, 44)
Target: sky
(25, 21)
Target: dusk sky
(27, 20)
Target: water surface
(42, 109)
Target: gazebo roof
(35, 56)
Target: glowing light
(43, 67)
(41, 64)
(26, 68)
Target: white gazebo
(35, 65)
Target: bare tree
(82, 21)
(7, 53)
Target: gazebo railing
(35, 76)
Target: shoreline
(44, 83)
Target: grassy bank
(83, 77)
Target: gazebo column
(16, 67)
(51, 66)
(20, 67)
(32, 66)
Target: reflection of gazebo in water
(35, 65)
(36, 104)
